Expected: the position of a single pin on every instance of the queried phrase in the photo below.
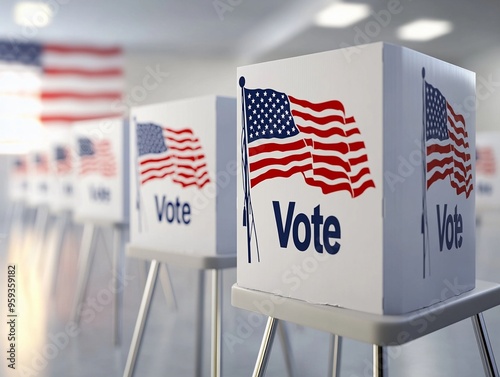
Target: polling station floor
(49, 345)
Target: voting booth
(62, 157)
(40, 177)
(487, 174)
(357, 183)
(18, 178)
(182, 203)
(101, 171)
(183, 176)
(101, 199)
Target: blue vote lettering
(173, 211)
(450, 228)
(100, 194)
(323, 231)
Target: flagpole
(424, 177)
(138, 187)
(245, 171)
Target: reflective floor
(49, 343)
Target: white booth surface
(487, 174)
(357, 181)
(183, 181)
(101, 171)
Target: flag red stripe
(356, 146)
(275, 147)
(153, 160)
(183, 140)
(186, 148)
(459, 141)
(160, 168)
(99, 51)
(358, 160)
(180, 131)
(256, 165)
(436, 148)
(183, 184)
(47, 96)
(460, 165)
(439, 163)
(361, 189)
(151, 177)
(322, 106)
(332, 160)
(276, 173)
(323, 133)
(361, 174)
(438, 176)
(109, 72)
(330, 174)
(319, 120)
(76, 118)
(327, 188)
(462, 155)
(190, 167)
(337, 147)
(462, 189)
(457, 117)
(461, 178)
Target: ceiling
(254, 30)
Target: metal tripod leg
(141, 319)
(483, 342)
(265, 347)
(168, 288)
(335, 355)
(380, 362)
(216, 322)
(61, 226)
(41, 220)
(199, 325)
(287, 349)
(118, 271)
(84, 263)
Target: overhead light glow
(341, 15)
(27, 13)
(424, 30)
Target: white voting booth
(183, 192)
(18, 178)
(357, 190)
(100, 197)
(62, 158)
(341, 181)
(40, 190)
(61, 198)
(18, 193)
(487, 172)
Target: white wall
(187, 77)
(487, 68)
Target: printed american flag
(96, 157)
(72, 83)
(63, 160)
(19, 166)
(288, 136)
(485, 161)
(178, 154)
(41, 163)
(447, 145)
